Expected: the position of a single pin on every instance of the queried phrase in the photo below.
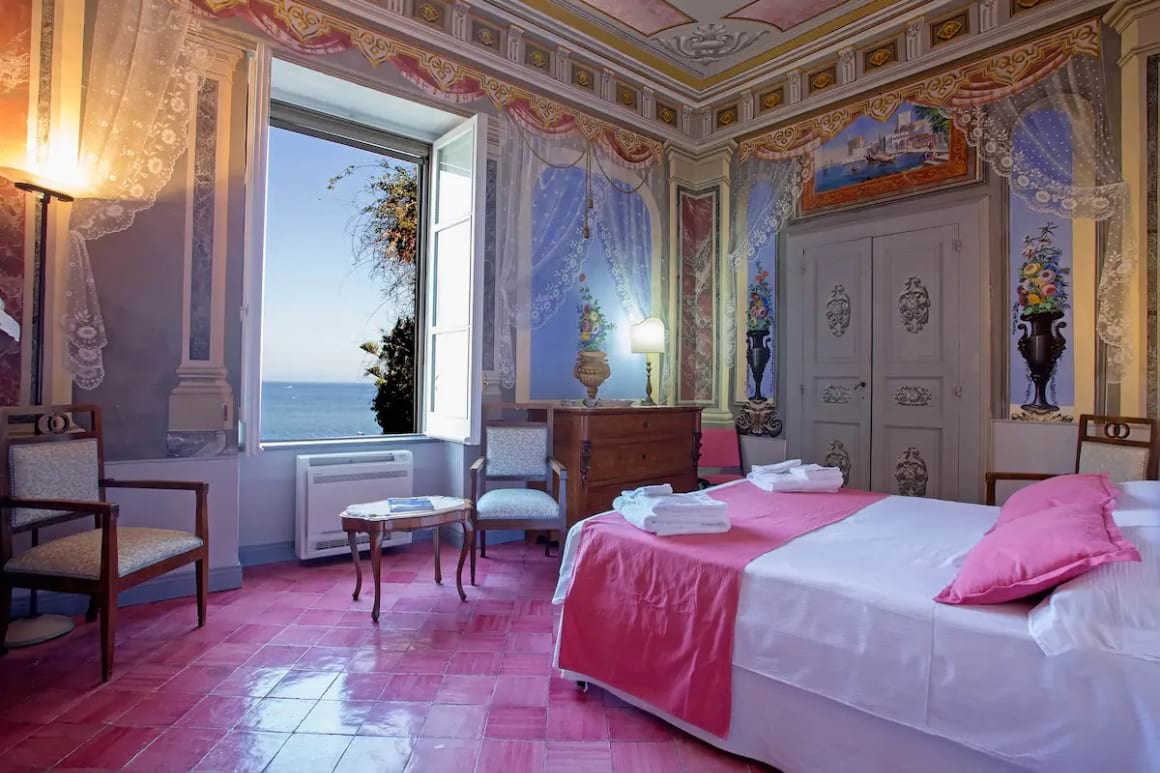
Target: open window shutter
(454, 286)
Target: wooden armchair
(52, 470)
(1126, 448)
(517, 451)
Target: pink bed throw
(654, 616)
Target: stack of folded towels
(658, 510)
(792, 475)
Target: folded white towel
(655, 490)
(798, 480)
(672, 514)
(785, 466)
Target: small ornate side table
(447, 510)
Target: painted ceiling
(696, 41)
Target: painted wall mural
(575, 300)
(914, 148)
(698, 218)
(1042, 369)
(15, 69)
(758, 311)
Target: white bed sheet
(845, 613)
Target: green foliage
(939, 123)
(385, 231)
(393, 370)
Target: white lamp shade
(648, 337)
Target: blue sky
(317, 307)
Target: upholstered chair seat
(517, 503)
(79, 555)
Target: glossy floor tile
(290, 674)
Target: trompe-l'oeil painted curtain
(141, 89)
(991, 102)
(546, 186)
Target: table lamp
(648, 337)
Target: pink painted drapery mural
(15, 68)
(314, 32)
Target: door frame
(975, 345)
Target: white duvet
(845, 612)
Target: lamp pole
(44, 197)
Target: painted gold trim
(650, 59)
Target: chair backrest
(1123, 447)
(49, 452)
(720, 447)
(517, 450)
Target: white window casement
(451, 153)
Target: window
(341, 278)
(368, 270)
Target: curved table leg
(376, 540)
(468, 547)
(438, 569)
(352, 537)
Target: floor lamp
(37, 628)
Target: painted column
(700, 279)
(201, 406)
(1138, 23)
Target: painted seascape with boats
(911, 138)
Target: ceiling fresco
(696, 40)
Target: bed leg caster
(582, 685)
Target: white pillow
(1138, 495)
(1113, 608)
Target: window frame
(291, 117)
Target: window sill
(328, 443)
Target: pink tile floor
(290, 674)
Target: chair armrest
(561, 494)
(171, 485)
(478, 469)
(200, 488)
(993, 477)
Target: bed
(841, 661)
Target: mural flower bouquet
(759, 323)
(591, 367)
(1041, 300)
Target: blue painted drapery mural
(760, 302)
(565, 265)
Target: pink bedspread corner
(655, 616)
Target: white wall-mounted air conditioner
(329, 483)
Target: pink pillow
(1036, 552)
(1058, 490)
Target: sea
(303, 410)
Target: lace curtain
(545, 222)
(1076, 175)
(141, 89)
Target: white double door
(884, 327)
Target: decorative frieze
(794, 82)
(879, 56)
(943, 32)
(485, 35)
(647, 101)
(989, 14)
(771, 100)
(460, 20)
(608, 85)
(847, 66)
(745, 106)
(915, 40)
(515, 44)
(561, 68)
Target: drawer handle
(642, 457)
(645, 425)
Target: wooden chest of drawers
(607, 450)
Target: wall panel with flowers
(1051, 293)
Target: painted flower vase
(591, 370)
(1042, 344)
(757, 357)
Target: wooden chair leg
(482, 543)
(199, 569)
(108, 632)
(5, 611)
